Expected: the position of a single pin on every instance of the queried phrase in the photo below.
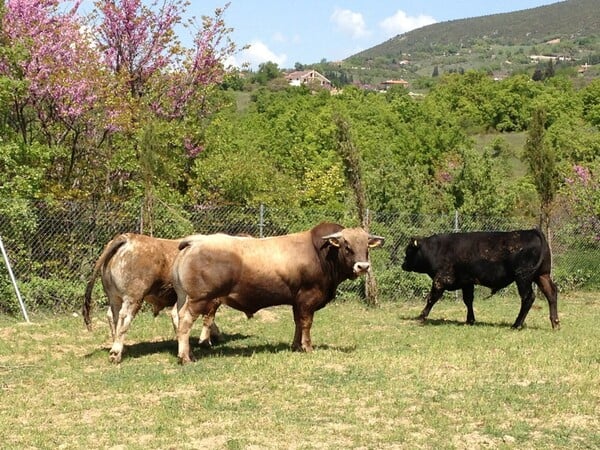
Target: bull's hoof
(555, 324)
(186, 358)
(206, 343)
(302, 348)
(115, 357)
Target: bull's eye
(349, 250)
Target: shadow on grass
(449, 322)
(219, 348)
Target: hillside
(567, 30)
(571, 20)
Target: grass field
(377, 379)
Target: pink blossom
(582, 172)
(58, 61)
(192, 149)
(137, 41)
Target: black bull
(492, 259)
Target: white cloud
(279, 37)
(350, 22)
(401, 23)
(258, 53)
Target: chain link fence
(52, 247)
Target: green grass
(377, 379)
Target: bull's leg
(527, 297)
(467, 294)
(434, 295)
(175, 318)
(208, 322)
(550, 290)
(187, 317)
(209, 327)
(215, 332)
(303, 321)
(127, 312)
(112, 315)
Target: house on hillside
(307, 77)
(385, 85)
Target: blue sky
(308, 31)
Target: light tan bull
(301, 269)
(134, 268)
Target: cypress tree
(541, 163)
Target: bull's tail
(110, 249)
(544, 249)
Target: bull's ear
(375, 241)
(334, 239)
(335, 242)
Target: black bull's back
(491, 259)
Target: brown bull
(134, 268)
(302, 270)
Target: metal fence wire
(52, 247)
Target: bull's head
(354, 244)
(411, 255)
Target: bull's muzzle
(361, 267)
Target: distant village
(313, 78)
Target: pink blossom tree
(137, 41)
(160, 81)
(78, 81)
(58, 71)
(53, 52)
(140, 47)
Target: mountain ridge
(568, 19)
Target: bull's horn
(375, 241)
(334, 238)
(337, 235)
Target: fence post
(261, 220)
(14, 282)
(371, 290)
(456, 230)
(142, 218)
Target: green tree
(353, 172)
(476, 184)
(352, 167)
(267, 71)
(511, 103)
(541, 166)
(590, 96)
